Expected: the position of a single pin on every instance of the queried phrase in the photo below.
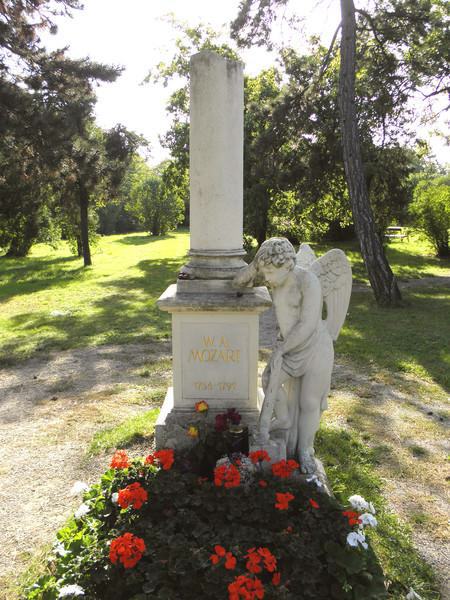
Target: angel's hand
(277, 355)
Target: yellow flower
(193, 431)
(201, 406)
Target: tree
(431, 212)
(46, 102)
(95, 169)
(155, 197)
(380, 274)
(407, 43)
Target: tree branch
(328, 54)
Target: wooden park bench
(396, 233)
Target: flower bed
(153, 529)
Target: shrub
(272, 535)
(431, 211)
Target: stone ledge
(172, 300)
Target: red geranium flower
(230, 562)
(284, 468)
(247, 588)
(255, 557)
(164, 457)
(220, 552)
(254, 561)
(262, 483)
(313, 503)
(352, 516)
(227, 475)
(120, 460)
(133, 495)
(276, 578)
(270, 562)
(127, 549)
(259, 456)
(283, 500)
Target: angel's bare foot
(307, 462)
(278, 424)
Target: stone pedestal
(215, 355)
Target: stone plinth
(215, 354)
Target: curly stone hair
(276, 251)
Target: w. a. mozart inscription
(215, 360)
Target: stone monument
(214, 326)
(297, 379)
(216, 301)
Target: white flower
(359, 503)
(372, 508)
(411, 595)
(368, 519)
(60, 550)
(71, 590)
(82, 511)
(355, 538)
(78, 488)
(115, 497)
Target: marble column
(216, 167)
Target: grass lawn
(111, 302)
(409, 259)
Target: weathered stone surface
(171, 429)
(216, 167)
(172, 300)
(297, 379)
(215, 328)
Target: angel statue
(296, 381)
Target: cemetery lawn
(50, 302)
(384, 436)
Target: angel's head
(271, 265)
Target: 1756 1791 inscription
(215, 360)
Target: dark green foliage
(46, 103)
(182, 522)
(155, 196)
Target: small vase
(237, 439)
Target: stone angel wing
(335, 275)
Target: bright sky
(134, 34)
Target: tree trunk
(79, 247)
(380, 274)
(24, 238)
(84, 224)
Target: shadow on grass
(407, 262)
(412, 339)
(412, 266)
(129, 313)
(143, 238)
(28, 275)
